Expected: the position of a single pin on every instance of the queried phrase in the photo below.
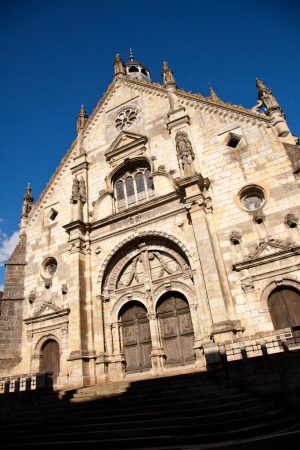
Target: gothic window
(133, 186)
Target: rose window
(125, 119)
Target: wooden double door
(284, 305)
(176, 333)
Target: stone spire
(81, 119)
(27, 202)
(119, 65)
(266, 99)
(167, 75)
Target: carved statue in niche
(78, 191)
(185, 153)
(75, 190)
(82, 190)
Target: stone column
(214, 277)
(158, 355)
(200, 360)
(100, 342)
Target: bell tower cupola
(136, 70)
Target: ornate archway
(143, 269)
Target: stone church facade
(168, 236)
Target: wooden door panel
(144, 332)
(168, 327)
(284, 305)
(132, 358)
(146, 349)
(187, 342)
(136, 338)
(176, 331)
(129, 335)
(51, 358)
(185, 323)
(172, 351)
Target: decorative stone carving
(79, 245)
(265, 97)
(185, 153)
(32, 297)
(27, 202)
(291, 221)
(98, 250)
(258, 216)
(167, 75)
(64, 289)
(247, 284)
(235, 237)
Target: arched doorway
(284, 306)
(176, 329)
(50, 361)
(136, 337)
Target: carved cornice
(48, 316)
(197, 179)
(155, 202)
(77, 225)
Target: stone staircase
(181, 412)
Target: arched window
(133, 186)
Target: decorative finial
(131, 55)
(118, 65)
(27, 202)
(213, 96)
(81, 118)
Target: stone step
(179, 426)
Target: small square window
(53, 214)
(233, 140)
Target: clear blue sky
(56, 55)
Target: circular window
(125, 118)
(252, 198)
(49, 267)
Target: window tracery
(125, 119)
(132, 187)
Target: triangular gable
(125, 143)
(266, 247)
(48, 310)
(150, 87)
(268, 251)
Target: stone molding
(286, 250)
